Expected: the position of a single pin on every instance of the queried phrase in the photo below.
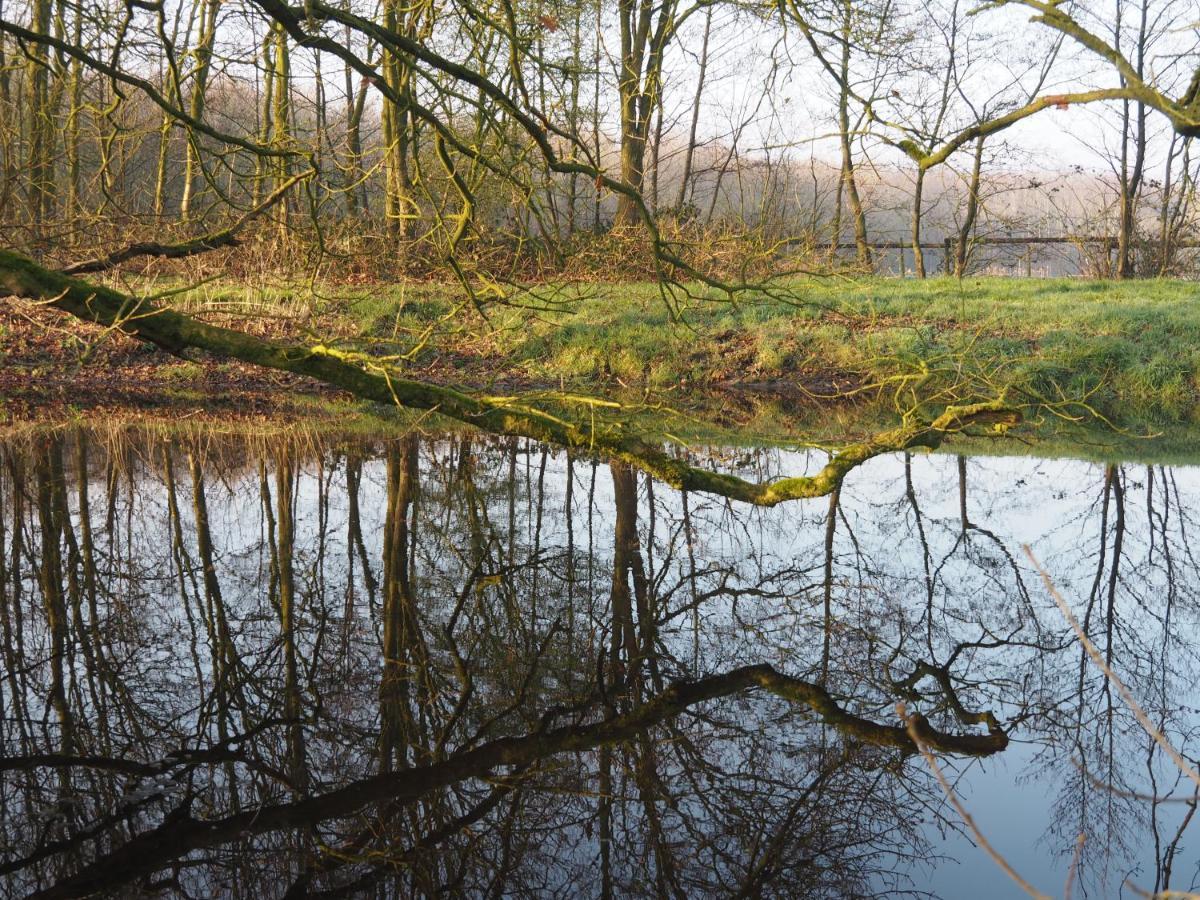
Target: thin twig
(1074, 865)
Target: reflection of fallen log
(364, 378)
(181, 834)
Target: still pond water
(445, 667)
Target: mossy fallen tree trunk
(177, 333)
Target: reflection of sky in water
(903, 576)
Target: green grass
(1131, 349)
(1132, 346)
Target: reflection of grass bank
(760, 423)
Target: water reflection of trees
(480, 667)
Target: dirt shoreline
(53, 368)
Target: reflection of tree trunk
(214, 603)
(964, 522)
(264, 496)
(626, 561)
(650, 790)
(827, 630)
(1114, 571)
(539, 501)
(222, 675)
(48, 474)
(87, 544)
(285, 544)
(405, 691)
(605, 814)
(355, 549)
(512, 497)
(77, 566)
(1113, 503)
(404, 653)
(476, 510)
(12, 582)
(926, 557)
(569, 516)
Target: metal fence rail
(948, 246)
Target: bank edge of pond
(1139, 341)
(323, 423)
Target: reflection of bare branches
(182, 834)
(1100, 663)
(941, 674)
(912, 724)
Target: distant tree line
(442, 132)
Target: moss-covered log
(177, 333)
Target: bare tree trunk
(1131, 179)
(265, 107)
(655, 155)
(281, 114)
(400, 206)
(633, 142)
(10, 129)
(598, 147)
(645, 29)
(968, 224)
(918, 256)
(573, 114)
(1176, 202)
(857, 215)
(40, 163)
(690, 154)
(74, 167)
(193, 165)
(356, 100)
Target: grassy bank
(751, 368)
(1132, 349)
